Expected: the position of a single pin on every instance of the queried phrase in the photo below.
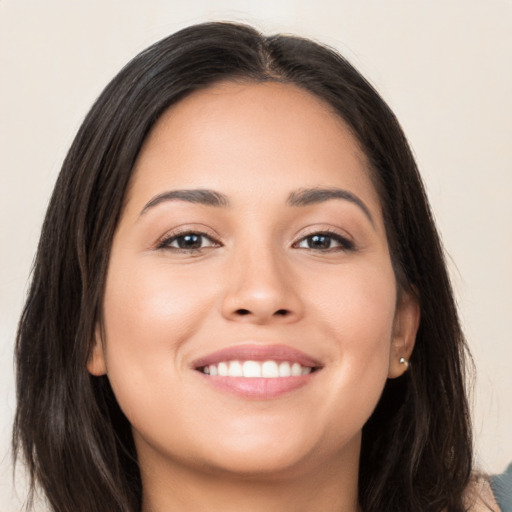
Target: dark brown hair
(416, 451)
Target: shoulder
(502, 488)
(479, 496)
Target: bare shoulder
(479, 496)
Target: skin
(254, 280)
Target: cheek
(149, 314)
(152, 306)
(357, 305)
(356, 311)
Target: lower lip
(257, 387)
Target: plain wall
(443, 66)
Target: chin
(263, 463)
(275, 454)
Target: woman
(239, 300)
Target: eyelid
(344, 239)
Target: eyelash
(345, 245)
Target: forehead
(244, 138)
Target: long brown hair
(416, 450)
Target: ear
(96, 364)
(405, 327)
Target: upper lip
(253, 352)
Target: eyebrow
(303, 197)
(309, 196)
(198, 196)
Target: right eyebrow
(205, 197)
(317, 195)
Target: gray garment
(502, 489)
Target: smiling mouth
(260, 372)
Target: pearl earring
(404, 361)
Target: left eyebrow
(306, 197)
(199, 196)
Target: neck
(328, 487)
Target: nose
(261, 289)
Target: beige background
(443, 65)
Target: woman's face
(250, 310)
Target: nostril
(246, 312)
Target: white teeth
(296, 370)
(252, 369)
(285, 369)
(235, 369)
(269, 369)
(223, 369)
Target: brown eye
(188, 242)
(325, 242)
(319, 242)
